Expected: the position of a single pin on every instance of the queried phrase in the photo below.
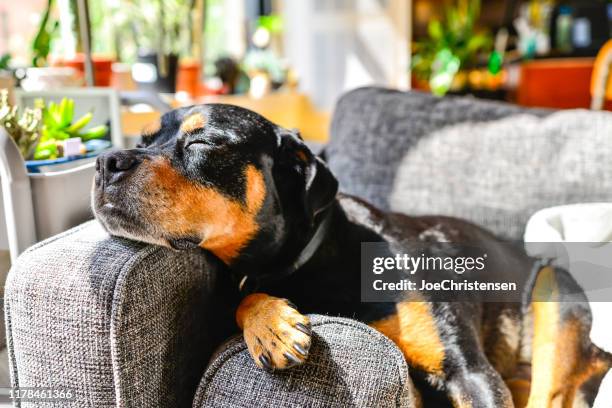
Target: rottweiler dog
(227, 180)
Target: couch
(132, 325)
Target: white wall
(337, 45)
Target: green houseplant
(40, 131)
(59, 124)
(47, 28)
(453, 43)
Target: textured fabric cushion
(350, 365)
(373, 128)
(459, 157)
(499, 173)
(120, 323)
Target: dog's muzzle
(112, 167)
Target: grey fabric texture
(350, 365)
(374, 128)
(120, 323)
(499, 173)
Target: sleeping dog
(225, 179)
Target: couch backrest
(491, 163)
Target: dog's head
(217, 177)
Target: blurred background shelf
(290, 110)
(561, 83)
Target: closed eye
(197, 143)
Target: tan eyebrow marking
(151, 128)
(193, 122)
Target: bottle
(563, 36)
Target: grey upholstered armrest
(118, 322)
(350, 365)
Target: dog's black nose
(111, 167)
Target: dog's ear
(317, 183)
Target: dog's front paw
(277, 335)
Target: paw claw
(293, 360)
(303, 328)
(298, 347)
(265, 362)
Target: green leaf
(434, 28)
(477, 43)
(5, 60)
(54, 112)
(66, 112)
(46, 150)
(61, 108)
(45, 154)
(61, 135)
(81, 123)
(94, 133)
(46, 31)
(444, 68)
(273, 23)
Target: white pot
(39, 205)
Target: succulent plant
(59, 125)
(40, 131)
(25, 130)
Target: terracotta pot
(188, 78)
(420, 84)
(102, 67)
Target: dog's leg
(563, 357)
(277, 335)
(458, 366)
(502, 329)
(587, 393)
(478, 386)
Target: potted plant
(59, 21)
(453, 44)
(50, 134)
(162, 32)
(47, 29)
(38, 204)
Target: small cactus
(24, 130)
